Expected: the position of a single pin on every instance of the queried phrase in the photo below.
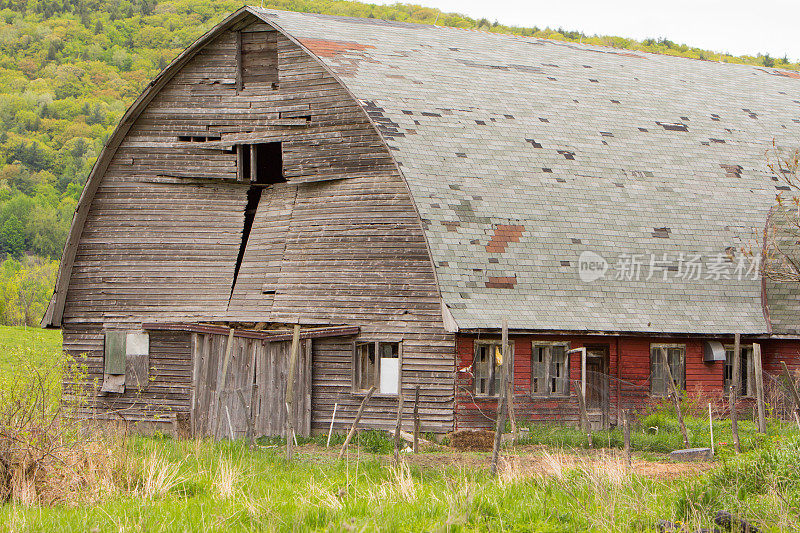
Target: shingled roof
(523, 153)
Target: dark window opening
(260, 164)
(198, 138)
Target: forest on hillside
(69, 69)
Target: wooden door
(254, 372)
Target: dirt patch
(472, 439)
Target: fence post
(790, 385)
(416, 419)
(735, 391)
(501, 419)
(289, 398)
(582, 407)
(398, 426)
(762, 422)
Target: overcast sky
(735, 26)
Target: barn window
(377, 364)
(676, 356)
(550, 369)
(125, 360)
(745, 370)
(258, 59)
(487, 367)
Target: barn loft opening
(262, 165)
(258, 59)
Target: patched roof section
(523, 154)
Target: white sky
(735, 26)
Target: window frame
(355, 387)
(489, 342)
(750, 383)
(547, 364)
(681, 380)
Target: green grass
(163, 484)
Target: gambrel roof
(522, 154)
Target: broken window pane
(486, 368)
(659, 378)
(745, 370)
(550, 370)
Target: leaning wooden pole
(356, 421)
(398, 426)
(501, 411)
(416, 419)
(220, 388)
(759, 374)
(584, 417)
(735, 391)
(675, 398)
(295, 355)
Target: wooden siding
(167, 393)
(339, 243)
(628, 378)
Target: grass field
(550, 481)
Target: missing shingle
(783, 187)
(686, 119)
(576, 241)
(705, 143)
(714, 117)
(614, 101)
(407, 112)
(661, 233)
(542, 119)
(494, 260)
(593, 80)
(750, 114)
(430, 114)
(564, 263)
(501, 282)
(461, 154)
(480, 122)
(510, 117)
(567, 154)
(533, 143)
(644, 130)
(719, 141)
(561, 180)
(587, 66)
(606, 134)
(732, 171)
(455, 187)
(551, 79)
(673, 126)
(618, 184)
(545, 169)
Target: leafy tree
(12, 237)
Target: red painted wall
(629, 385)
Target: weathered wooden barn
(399, 190)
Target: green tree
(12, 237)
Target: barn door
(253, 373)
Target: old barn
(399, 190)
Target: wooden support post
(293, 357)
(626, 428)
(501, 411)
(734, 392)
(397, 427)
(355, 422)
(795, 397)
(584, 417)
(238, 61)
(330, 430)
(762, 421)
(217, 410)
(416, 419)
(675, 397)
